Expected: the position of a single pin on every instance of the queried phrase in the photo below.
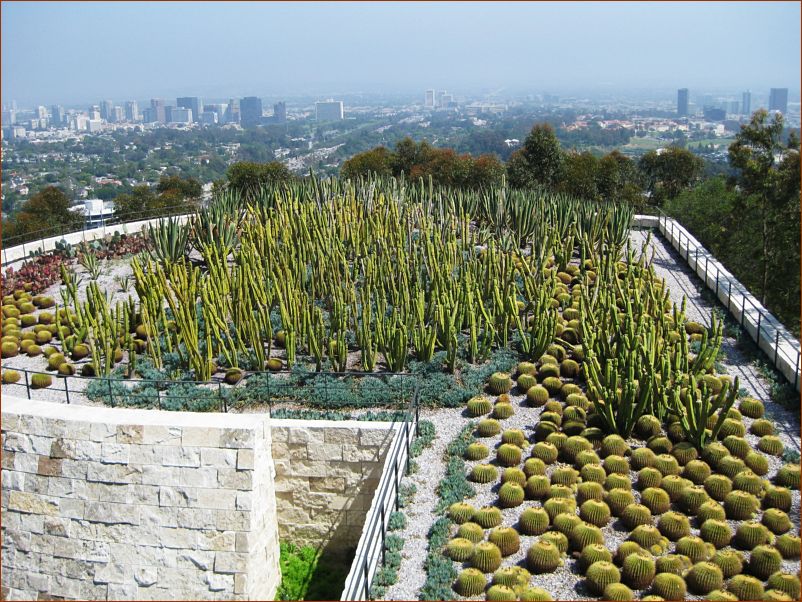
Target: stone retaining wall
(102, 503)
(326, 477)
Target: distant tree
(579, 175)
(377, 161)
(250, 178)
(538, 162)
(669, 172)
(140, 201)
(618, 179)
(49, 208)
(486, 171)
(768, 176)
(185, 188)
(408, 154)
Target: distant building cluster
(187, 110)
(439, 99)
(721, 109)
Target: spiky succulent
(488, 427)
(649, 478)
(573, 445)
(500, 592)
(564, 475)
(565, 523)
(669, 586)
(729, 561)
(559, 540)
(503, 410)
(526, 368)
(648, 426)
(585, 534)
(711, 509)
(514, 437)
(787, 583)
(717, 486)
(543, 557)
(720, 595)
(594, 552)
(649, 538)
(613, 445)
(751, 534)
(751, 407)
(537, 395)
(740, 505)
(764, 561)
(714, 452)
(476, 451)
(510, 495)
(762, 427)
(684, 452)
(656, 500)
(560, 491)
(777, 521)
(483, 473)
(691, 498)
(627, 548)
(618, 591)
(674, 525)
(535, 593)
(471, 531)
(537, 486)
(704, 577)
(593, 473)
(788, 476)
(777, 497)
(508, 454)
(636, 514)
(461, 512)
(746, 587)
(660, 444)
(470, 582)
(506, 539)
(487, 517)
(41, 381)
(676, 564)
(617, 481)
(486, 557)
(544, 429)
(479, 405)
(717, 532)
(731, 466)
(601, 574)
(697, 471)
(616, 465)
(556, 439)
(526, 381)
(737, 446)
(667, 465)
(642, 457)
(731, 426)
(695, 548)
(514, 577)
(459, 549)
(771, 444)
(533, 521)
(546, 452)
(789, 546)
(585, 457)
(638, 571)
(499, 382)
(618, 500)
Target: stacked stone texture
(134, 504)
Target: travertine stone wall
(102, 503)
(326, 477)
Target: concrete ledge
(781, 347)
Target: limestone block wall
(326, 476)
(102, 503)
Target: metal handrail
(39, 237)
(371, 546)
(765, 320)
(275, 386)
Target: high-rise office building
(746, 103)
(682, 102)
(106, 109)
(158, 112)
(329, 110)
(438, 99)
(250, 111)
(9, 117)
(94, 112)
(233, 111)
(195, 103)
(58, 116)
(180, 115)
(41, 112)
(118, 115)
(219, 110)
(280, 112)
(778, 100)
(429, 99)
(131, 111)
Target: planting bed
(529, 317)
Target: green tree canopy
(669, 171)
(249, 178)
(539, 162)
(49, 208)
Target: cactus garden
(602, 447)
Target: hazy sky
(81, 52)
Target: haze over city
(78, 52)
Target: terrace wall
(326, 476)
(102, 503)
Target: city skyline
(314, 60)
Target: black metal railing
(325, 391)
(31, 242)
(768, 329)
(371, 549)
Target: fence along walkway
(779, 345)
(370, 550)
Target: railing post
(27, 385)
(796, 370)
(67, 388)
(776, 343)
(759, 316)
(717, 273)
(743, 308)
(111, 394)
(729, 293)
(365, 572)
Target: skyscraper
(106, 109)
(682, 102)
(191, 102)
(250, 111)
(280, 112)
(233, 111)
(58, 115)
(778, 100)
(329, 110)
(131, 111)
(158, 110)
(429, 101)
(746, 103)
